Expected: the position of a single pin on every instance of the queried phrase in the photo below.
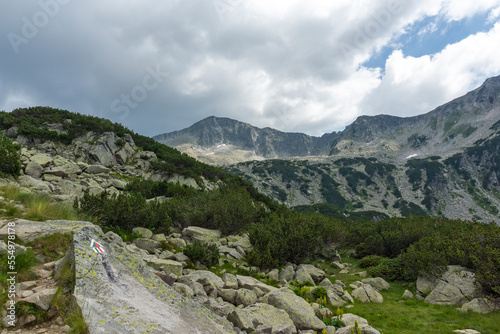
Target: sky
(310, 66)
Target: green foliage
(288, 236)
(53, 246)
(337, 320)
(205, 254)
(370, 261)
(330, 192)
(24, 263)
(151, 189)
(228, 208)
(319, 292)
(9, 157)
(432, 168)
(389, 269)
(355, 329)
(353, 177)
(472, 245)
(124, 211)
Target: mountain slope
(445, 131)
(222, 140)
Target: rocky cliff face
(220, 140)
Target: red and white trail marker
(96, 247)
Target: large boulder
(144, 232)
(201, 234)
(334, 300)
(302, 277)
(119, 294)
(250, 317)
(42, 298)
(33, 169)
(456, 286)
(287, 274)
(147, 244)
(316, 274)
(378, 283)
(245, 297)
(205, 278)
(168, 266)
(480, 305)
(301, 313)
(27, 230)
(250, 283)
(367, 294)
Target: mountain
(223, 140)
(445, 131)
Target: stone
(250, 283)
(378, 283)
(97, 169)
(347, 297)
(118, 184)
(245, 297)
(274, 275)
(333, 299)
(35, 184)
(42, 298)
(425, 285)
(181, 257)
(183, 289)
(27, 230)
(227, 295)
(51, 178)
(12, 132)
(365, 329)
(466, 331)
(206, 278)
(114, 238)
(134, 298)
(456, 287)
(147, 244)
(159, 237)
(33, 169)
(222, 309)
(338, 265)
(316, 274)
(408, 294)
(479, 305)
(42, 159)
(235, 255)
(178, 242)
(169, 267)
(302, 277)
(144, 232)
(201, 234)
(297, 308)
(230, 281)
(367, 294)
(326, 283)
(287, 274)
(243, 242)
(249, 318)
(350, 319)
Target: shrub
(389, 269)
(319, 292)
(205, 254)
(9, 157)
(370, 261)
(124, 211)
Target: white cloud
(415, 85)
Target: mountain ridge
(445, 130)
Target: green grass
(37, 206)
(411, 316)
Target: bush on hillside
(124, 211)
(370, 261)
(207, 255)
(9, 157)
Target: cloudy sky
(309, 66)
